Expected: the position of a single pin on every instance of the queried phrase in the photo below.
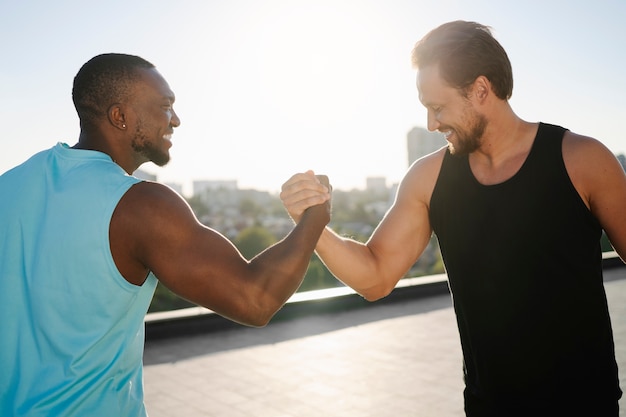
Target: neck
(505, 134)
(97, 142)
(505, 148)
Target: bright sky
(267, 88)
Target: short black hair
(464, 51)
(102, 81)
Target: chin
(159, 158)
(161, 161)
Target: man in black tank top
(518, 209)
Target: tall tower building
(421, 142)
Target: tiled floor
(395, 360)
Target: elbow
(254, 319)
(258, 322)
(375, 293)
(262, 317)
(248, 312)
(261, 312)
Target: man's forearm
(281, 268)
(350, 261)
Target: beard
(148, 149)
(469, 140)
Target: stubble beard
(470, 140)
(147, 148)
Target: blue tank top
(525, 269)
(72, 333)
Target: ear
(481, 88)
(116, 116)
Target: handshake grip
(321, 211)
(324, 180)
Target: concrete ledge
(195, 320)
(611, 260)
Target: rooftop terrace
(339, 356)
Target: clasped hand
(304, 190)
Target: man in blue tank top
(82, 244)
(518, 209)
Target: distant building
(146, 176)
(176, 187)
(143, 175)
(421, 142)
(201, 186)
(376, 184)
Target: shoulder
(148, 220)
(589, 163)
(148, 202)
(584, 152)
(573, 141)
(152, 192)
(419, 181)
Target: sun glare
(308, 62)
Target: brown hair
(464, 51)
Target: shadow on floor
(166, 350)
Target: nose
(432, 123)
(175, 120)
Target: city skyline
(267, 89)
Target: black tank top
(524, 264)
